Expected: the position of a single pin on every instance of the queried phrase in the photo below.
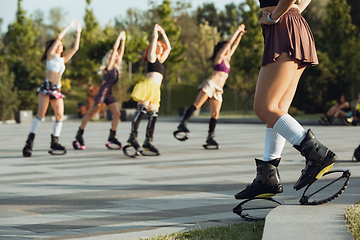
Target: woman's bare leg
(215, 107)
(275, 88)
(200, 99)
(114, 108)
(43, 104)
(89, 114)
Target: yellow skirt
(147, 90)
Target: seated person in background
(341, 110)
(356, 113)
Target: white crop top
(56, 64)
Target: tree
(354, 12)
(86, 62)
(200, 41)
(247, 58)
(207, 13)
(21, 49)
(137, 37)
(228, 18)
(315, 14)
(337, 72)
(339, 43)
(8, 95)
(200, 50)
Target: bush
(8, 96)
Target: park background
(193, 34)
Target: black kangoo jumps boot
(56, 147)
(113, 141)
(210, 142)
(266, 183)
(182, 127)
(149, 147)
(319, 160)
(132, 140)
(79, 143)
(27, 150)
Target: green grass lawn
(240, 231)
(352, 217)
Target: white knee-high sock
(35, 124)
(57, 128)
(274, 144)
(290, 129)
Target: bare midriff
(155, 76)
(219, 77)
(53, 77)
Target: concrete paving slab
(101, 194)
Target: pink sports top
(221, 67)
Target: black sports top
(270, 3)
(156, 66)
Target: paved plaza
(101, 194)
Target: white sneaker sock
(35, 124)
(57, 128)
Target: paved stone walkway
(101, 194)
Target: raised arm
(230, 46)
(115, 51)
(122, 46)
(75, 47)
(239, 32)
(151, 55)
(167, 43)
(52, 49)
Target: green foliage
(192, 36)
(23, 55)
(315, 14)
(339, 42)
(247, 58)
(207, 13)
(8, 96)
(355, 9)
(199, 67)
(135, 46)
(337, 72)
(229, 19)
(314, 87)
(85, 67)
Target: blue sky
(104, 10)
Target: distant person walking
(288, 48)
(50, 89)
(110, 68)
(212, 88)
